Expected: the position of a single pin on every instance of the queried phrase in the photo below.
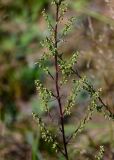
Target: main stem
(57, 84)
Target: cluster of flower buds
(63, 9)
(108, 115)
(90, 111)
(77, 87)
(66, 66)
(47, 19)
(84, 121)
(43, 61)
(100, 154)
(53, 2)
(101, 108)
(46, 135)
(49, 45)
(95, 97)
(68, 26)
(44, 94)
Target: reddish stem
(57, 83)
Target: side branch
(91, 90)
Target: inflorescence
(65, 67)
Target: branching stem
(56, 81)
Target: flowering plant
(64, 69)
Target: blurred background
(22, 27)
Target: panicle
(66, 66)
(46, 135)
(44, 94)
(100, 154)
